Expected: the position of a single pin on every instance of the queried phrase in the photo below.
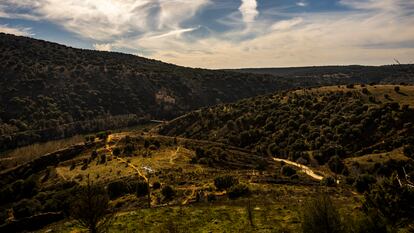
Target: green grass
(276, 209)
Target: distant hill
(51, 91)
(318, 123)
(358, 74)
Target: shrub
(94, 154)
(363, 182)
(409, 151)
(26, 208)
(168, 192)
(117, 189)
(225, 182)
(238, 190)
(102, 159)
(397, 89)
(394, 203)
(321, 216)
(328, 181)
(90, 208)
(287, 170)
(156, 185)
(117, 151)
(139, 188)
(336, 165)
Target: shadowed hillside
(53, 91)
(316, 123)
(50, 91)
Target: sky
(225, 33)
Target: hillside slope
(51, 91)
(342, 74)
(318, 123)
(47, 87)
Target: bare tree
(91, 208)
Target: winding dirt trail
(307, 170)
(135, 168)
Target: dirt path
(307, 170)
(174, 155)
(135, 168)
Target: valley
(94, 141)
(190, 155)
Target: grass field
(277, 210)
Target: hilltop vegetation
(342, 74)
(50, 91)
(308, 125)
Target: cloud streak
(19, 31)
(368, 32)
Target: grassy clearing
(24, 154)
(276, 210)
(369, 160)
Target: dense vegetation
(53, 91)
(299, 125)
(342, 74)
(50, 91)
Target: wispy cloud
(19, 31)
(103, 47)
(367, 32)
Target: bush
(117, 151)
(321, 216)
(91, 209)
(156, 185)
(336, 165)
(117, 189)
(363, 182)
(287, 170)
(139, 188)
(26, 208)
(394, 203)
(225, 182)
(238, 190)
(328, 181)
(409, 151)
(397, 89)
(168, 192)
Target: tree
(225, 182)
(91, 208)
(336, 165)
(391, 201)
(397, 89)
(287, 170)
(168, 192)
(321, 216)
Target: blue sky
(225, 33)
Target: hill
(50, 91)
(248, 166)
(341, 74)
(309, 124)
